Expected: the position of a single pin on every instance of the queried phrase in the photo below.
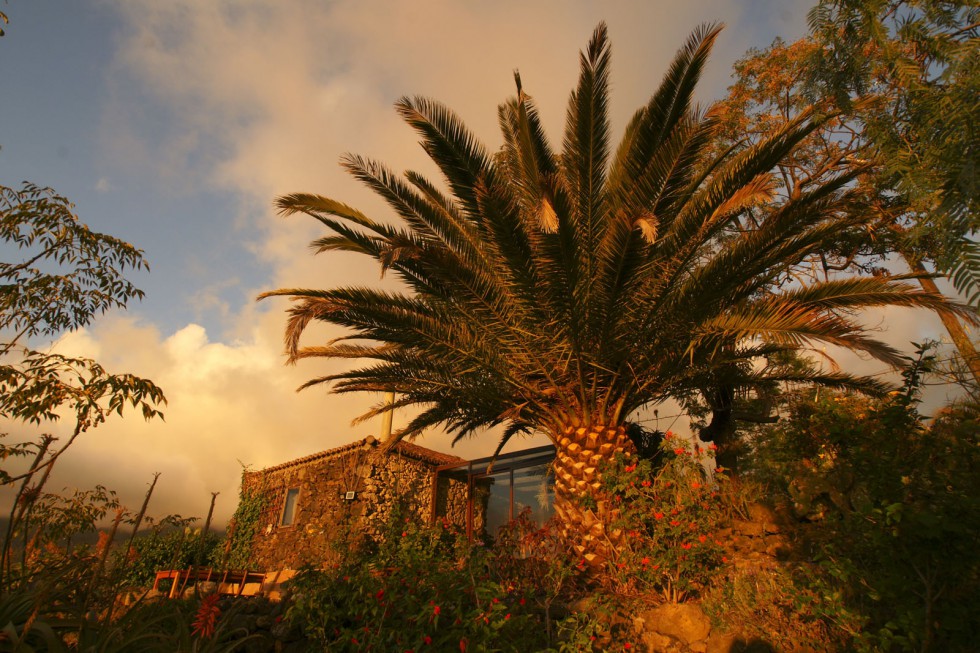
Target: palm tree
(559, 292)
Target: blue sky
(174, 125)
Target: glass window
(534, 489)
(498, 503)
(519, 480)
(289, 507)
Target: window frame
(297, 492)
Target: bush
(895, 506)
(670, 511)
(423, 587)
(175, 549)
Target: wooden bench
(230, 582)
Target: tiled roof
(404, 448)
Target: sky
(174, 125)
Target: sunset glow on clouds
(193, 116)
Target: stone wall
(324, 517)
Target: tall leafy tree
(909, 71)
(57, 277)
(774, 86)
(561, 291)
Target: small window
(289, 508)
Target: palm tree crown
(555, 290)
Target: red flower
(436, 610)
(713, 446)
(668, 435)
(627, 646)
(379, 595)
(404, 534)
(507, 616)
(645, 561)
(427, 639)
(658, 515)
(629, 468)
(674, 522)
(645, 483)
(521, 601)
(702, 538)
(680, 451)
(695, 485)
(207, 616)
(686, 545)
(462, 645)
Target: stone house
(311, 503)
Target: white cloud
(261, 98)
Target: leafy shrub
(179, 548)
(669, 511)
(896, 509)
(423, 587)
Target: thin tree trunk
(141, 514)
(17, 510)
(956, 331)
(586, 514)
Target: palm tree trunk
(586, 514)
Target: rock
(720, 642)
(682, 621)
(657, 643)
(207, 587)
(764, 515)
(750, 528)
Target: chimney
(386, 418)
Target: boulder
(685, 622)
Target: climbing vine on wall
(244, 523)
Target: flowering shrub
(669, 510)
(424, 589)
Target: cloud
(253, 99)
(102, 185)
